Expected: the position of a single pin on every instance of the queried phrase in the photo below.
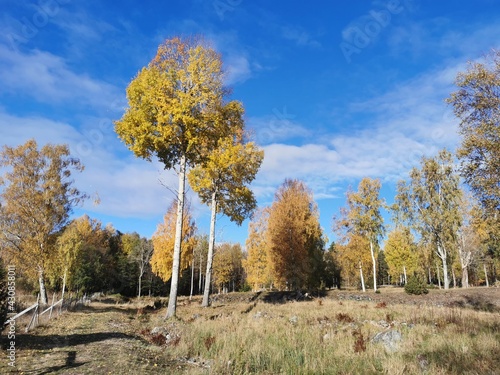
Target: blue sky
(333, 91)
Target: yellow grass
(321, 336)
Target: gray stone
(390, 339)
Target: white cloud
(48, 79)
(277, 127)
(238, 69)
(127, 186)
(408, 122)
(438, 37)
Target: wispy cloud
(126, 186)
(48, 79)
(407, 122)
(299, 36)
(438, 37)
(277, 127)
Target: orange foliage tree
(295, 237)
(164, 239)
(257, 265)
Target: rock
(327, 336)
(390, 339)
(159, 330)
(258, 315)
(383, 323)
(294, 320)
(422, 362)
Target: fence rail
(63, 303)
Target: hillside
(456, 331)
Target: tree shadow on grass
(453, 361)
(43, 342)
(280, 297)
(477, 303)
(106, 309)
(69, 364)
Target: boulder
(390, 339)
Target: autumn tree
(477, 104)
(295, 237)
(164, 242)
(401, 254)
(4, 293)
(37, 198)
(84, 258)
(174, 114)
(139, 251)
(430, 202)
(68, 246)
(228, 270)
(363, 217)
(333, 271)
(353, 259)
(200, 253)
(257, 264)
(222, 180)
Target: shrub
(416, 285)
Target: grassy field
(453, 332)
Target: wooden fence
(64, 304)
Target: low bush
(416, 285)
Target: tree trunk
(362, 278)
(374, 267)
(150, 283)
(404, 273)
(64, 283)
(210, 256)
(430, 276)
(200, 276)
(172, 299)
(454, 277)
(192, 278)
(438, 275)
(442, 255)
(43, 291)
(486, 275)
(140, 284)
(465, 277)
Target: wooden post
(486, 275)
(35, 314)
(52, 305)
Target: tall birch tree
(430, 202)
(222, 181)
(174, 104)
(37, 198)
(363, 217)
(477, 104)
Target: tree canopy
(176, 113)
(37, 198)
(294, 236)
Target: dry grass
(246, 336)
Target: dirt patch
(103, 338)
